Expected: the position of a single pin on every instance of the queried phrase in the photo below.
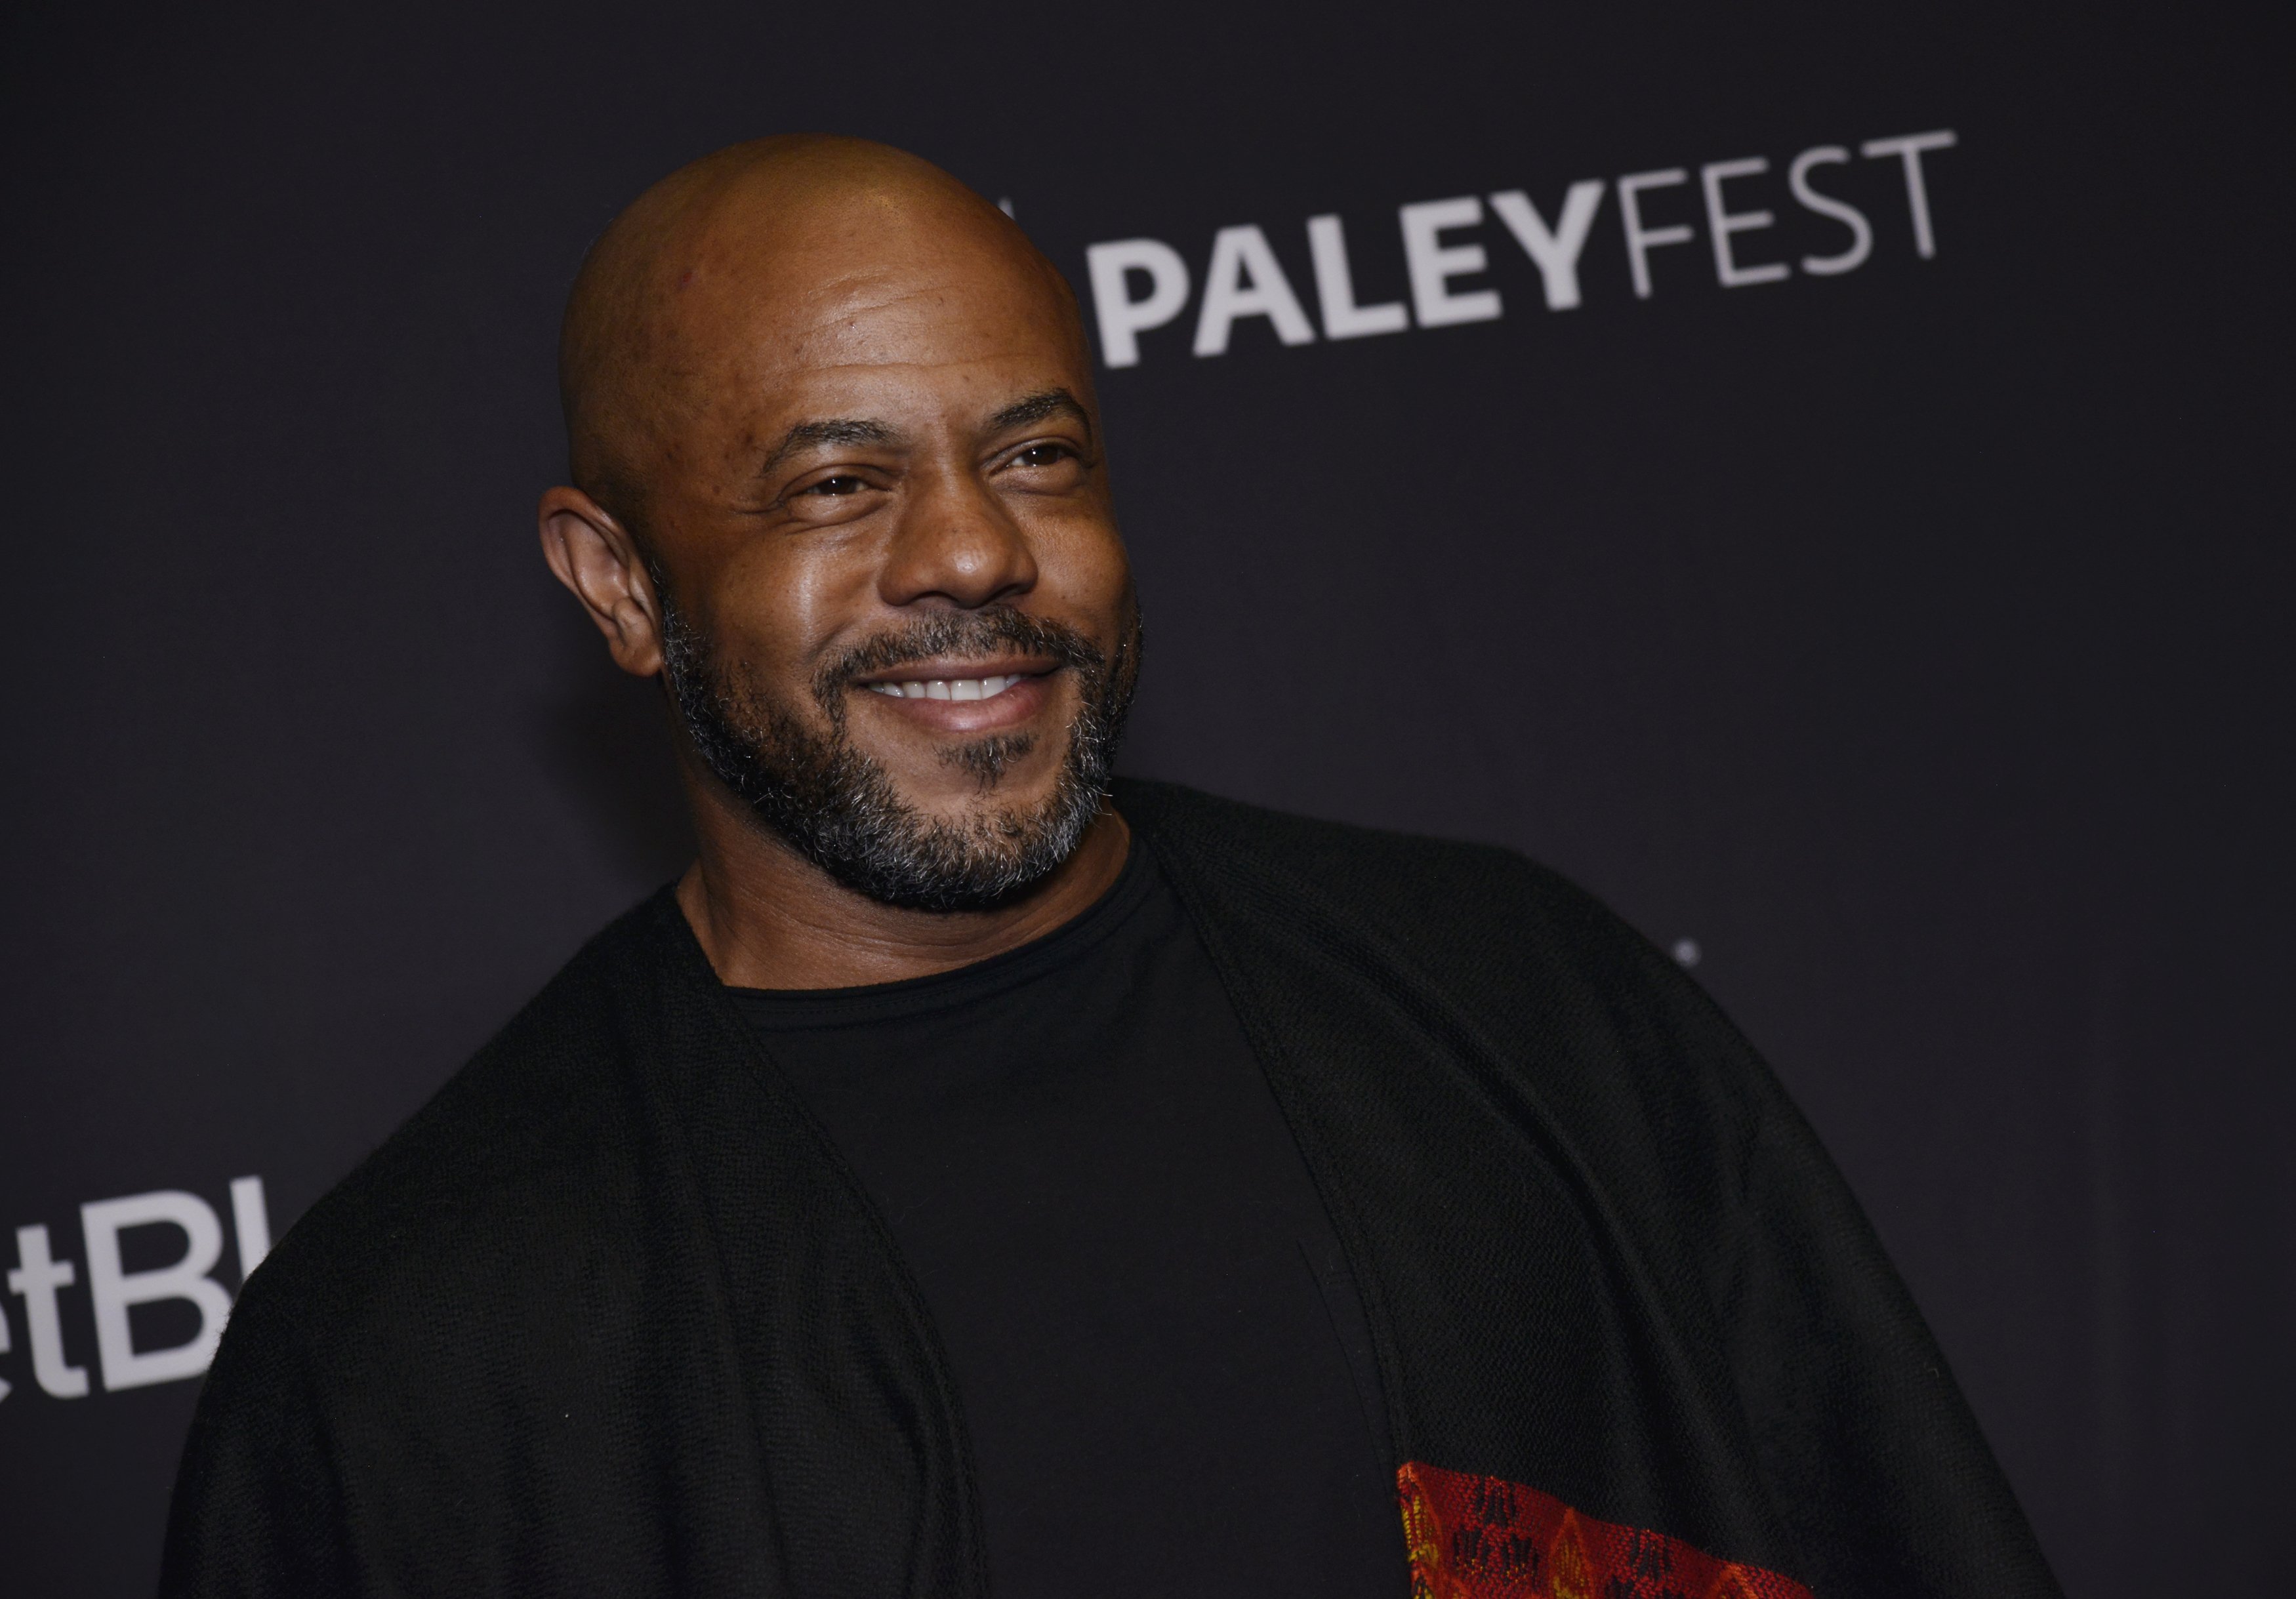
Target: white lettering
(1335, 288)
(1122, 317)
(37, 1278)
(114, 1291)
(1640, 240)
(1721, 223)
(1138, 284)
(1555, 252)
(1861, 236)
(1433, 264)
(250, 1224)
(1245, 280)
(1908, 148)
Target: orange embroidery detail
(1485, 1537)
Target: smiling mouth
(949, 688)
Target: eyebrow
(1037, 407)
(835, 430)
(861, 429)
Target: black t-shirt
(1162, 1359)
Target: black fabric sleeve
(258, 1510)
(1870, 1454)
(1874, 1457)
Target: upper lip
(950, 669)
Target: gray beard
(839, 809)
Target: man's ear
(598, 560)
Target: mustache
(985, 632)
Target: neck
(768, 918)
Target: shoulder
(1551, 983)
(1460, 905)
(460, 1328)
(472, 1206)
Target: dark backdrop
(1909, 639)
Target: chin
(967, 775)
(962, 801)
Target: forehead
(862, 304)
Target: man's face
(899, 618)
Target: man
(975, 1177)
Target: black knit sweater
(609, 1315)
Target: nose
(956, 544)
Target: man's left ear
(595, 556)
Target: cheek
(1082, 562)
(780, 608)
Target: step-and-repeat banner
(1820, 481)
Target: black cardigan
(609, 1315)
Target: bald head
(738, 259)
(839, 483)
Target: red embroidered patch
(1484, 1537)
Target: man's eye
(843, 484)
(1043, 454)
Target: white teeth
(947, 688)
